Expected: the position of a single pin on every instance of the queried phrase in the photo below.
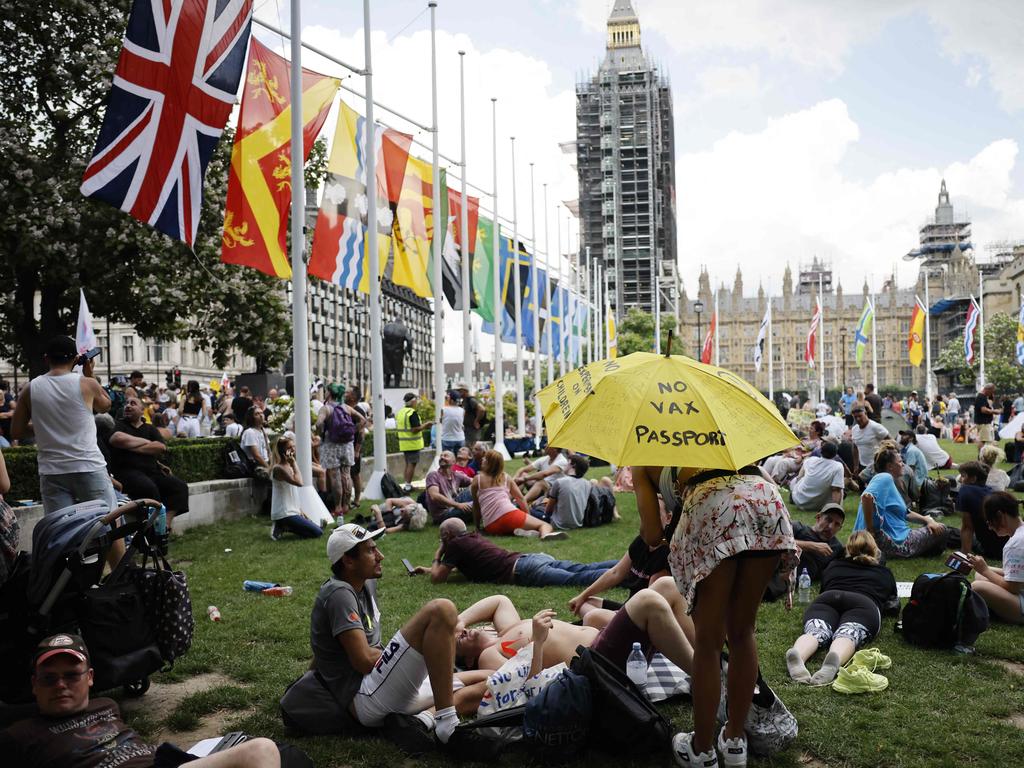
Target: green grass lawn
(939, 710)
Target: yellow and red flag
(339, 241)
(259, 184)
(414, 228)
(915, 343)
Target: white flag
(762, 333)
(85, 335)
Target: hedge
(191, 460)
(392, 442)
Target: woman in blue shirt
(884, 514)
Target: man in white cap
(72, 730)
(369, 679)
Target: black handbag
(121, 641)
(168, 606)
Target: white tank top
(65, 429)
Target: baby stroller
(59, 589)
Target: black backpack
(557, 721)
(236, 463)
(624, 721)
(389, 488)
(943, 611)
(600, 507)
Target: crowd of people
(711, 546)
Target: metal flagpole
(549, 326)
(535, 296)
(718, 321)
(561, 307)
(300, 330)
(771, 362)
(927, 341)
(981, 328)
(380, 450)
(439, 228)
(821, 329)
(467, 238)
(590, 304)
(496, 303)
(514, 264)
(874, 343)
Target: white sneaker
(682, 751)
(734, 751)
(527, 533)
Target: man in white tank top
(60, 406)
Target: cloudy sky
(802, 127)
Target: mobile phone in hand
(408, 566)
(84, 358)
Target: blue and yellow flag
(863, 334)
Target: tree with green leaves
(636, 332)
(58, 59)
(1001, 366)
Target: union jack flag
(172, 94)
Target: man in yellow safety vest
(410, 434)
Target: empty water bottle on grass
(278, 591)
(805, 586)
(636, 668)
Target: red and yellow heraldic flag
(259, 184)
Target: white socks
(795, 665)
(829, 670)
(445, 721)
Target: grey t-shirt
(338, 608)
(571, 495)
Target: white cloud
(820, 34)
(529, 107)
(809, 32)
(761, 199)
(733, 82)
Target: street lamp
(698, 307)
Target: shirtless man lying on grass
(649, 618)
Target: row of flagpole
(298, 263)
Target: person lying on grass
(650, 618)
(73, 729)
(1002, 589)
(480, 559)
(848, 612)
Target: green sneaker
(856, 679)
(870, 659)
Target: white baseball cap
(347, 536)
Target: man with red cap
(72, 731)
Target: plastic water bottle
(636, 668)
(213, 612)
(278, 591)
(805, 586)
(160, 529)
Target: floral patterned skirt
(723, 517)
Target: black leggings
(841, 613)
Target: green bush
(392, 442)
(192, 460)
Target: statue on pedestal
(397, 344)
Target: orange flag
(259, 184)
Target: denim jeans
(301, 526)
(59, 491)
(539, 569)
(462, 496)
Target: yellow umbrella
(660, 410)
